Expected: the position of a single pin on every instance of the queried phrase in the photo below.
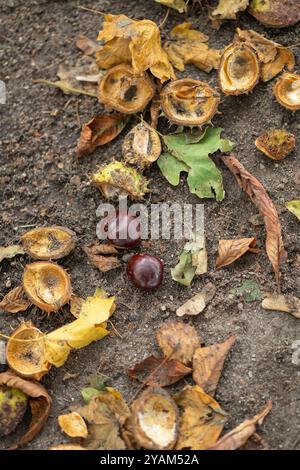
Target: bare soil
(43, 183)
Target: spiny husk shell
(27, 358)
(276, 143)
(122, 90)
(189, 102)
(47, 285)
(118, 180)
(275, 13)
(154, 420)
(13, 404)
(239, 69)
(47, 243)
(141, 146)
(287, 91)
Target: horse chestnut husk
(145, 271)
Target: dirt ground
(43, 183)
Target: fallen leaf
(238, 436)
(294, 207)
(158, 371)
(86, 45)
(204, 179)
(39, 402)
(283, 303)
(15, 301)
(192, 261)
(228, 9)
(88, 327)
(105, 414)
(258, 195)
(249, 291)
(201, 420)
(96, 254)
(197, 303)
(10, 251)
(179, 5)
(188, 46)
(178, 341)
(208, 364)
(100, 130)
(73, 425)
(133, 41)
(231, 250)
(75, 305)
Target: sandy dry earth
(42, 182)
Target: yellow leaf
(228, 9)
(179, 5)
(188, 46)
(133, 41)
(294, 208)
(73, 425)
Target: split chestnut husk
(239, 70)
(141, 146)
(25, 352)
(189, 102)
(287, 91)
(47, 285)
(275, 13)
(123, 91)
(47, 243)
(276, 143)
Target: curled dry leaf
(46, 243)
(154, 420)
(178, 341)
(283, 303)
(179, 5)
(276, 143)
(105, 414)
(39, 402)
(201, 419)
(15, 301)
(192, 262)
(228, 9)
(231, 250)
(10, 251)
(97, 255)
(276, 13)
(287, 91)
(25, 352)
(294, 207)
(86, 45)
(133, 41)
(159, 371)
(197, 303)
(208, 364)
(73, 425)
(100, 130)
(47, 285)
(258, 195)
(188, 46)
(238, 436)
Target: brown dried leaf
(15, 301)
(238, 436)
(178, 341)
(228, 9)
(201, 421)
(231, 250)
(188, 46)
(84, 75)
(208, 364)
(158, 372)
(197, 303)
(86, 45)
(95, 254)
(39, 401)
(283, 303)
(100, 130)
(258, 195)
(73, 425)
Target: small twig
(78, 115)
(163, 22)
(24, 226)
(115, 329)
(98, 12)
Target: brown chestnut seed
(145, 271)
(123, 229)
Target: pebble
(240, 306)
(2, 352)
(8, 283)
(75, 180)
(163, 308)
(262, 166)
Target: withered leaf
(178, 340)
(84, 75)
(228, 9)
(76, 305)
(197, 303)
(73, 425)
(96, 254)
(208, 364)
(188, 46)
(283, 303)
(39, 402)
(100, 130)
(231, 250)
(86, 45)
(201, 420)
(10, 251)
(238, 436)
(258, 195)
(179, 5)
(15, 301)
(159, 371)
